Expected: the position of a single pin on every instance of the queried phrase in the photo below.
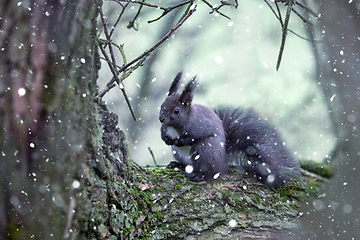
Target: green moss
(154, 205)
(13, 231)
(255, 199)
(317, 168)
(291, 191)
(162, 171)
(179, 175)
(159, 216)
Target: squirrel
(195, 133)
(206, 143)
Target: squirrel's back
(255, 146)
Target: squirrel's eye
(176, 110)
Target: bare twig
(119, 17)
(301, 17)
(284, 32)
(153, 157)
(307, 9)
(169, 9)
(272, 9)
(108, 38)
(284, 25)
(148, 4)
(279, 12)
(132, 23)
(278, 16)
(186, 10)
(147, 52)
(163, 39)
(299, 36)
(121, 50)
(118, 81)
(215, 9)
(119, 47)
(166, 10)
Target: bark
(48, 69)
(64, 167)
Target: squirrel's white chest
(172, 132)
(182, 154)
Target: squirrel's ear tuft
(175, 84)
(188, 93)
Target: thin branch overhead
(291, 4)
(118, 81)
(119, 17)
(121, 71)
(284, 31)
(116, 71)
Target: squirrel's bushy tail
(255, 146)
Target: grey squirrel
(206, 142)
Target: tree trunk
(64, 169)
(48, 69)
(338, 66)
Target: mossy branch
(161, 204)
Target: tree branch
(110, 85)
(108, 38)
(278, 16)
(284, 32)
(169, 9)
(215, 9)
(118, 19)
(119, 82)
(132, 22)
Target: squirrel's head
(176, 108)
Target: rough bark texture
(48, 71)
(64, 168)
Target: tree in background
(337, 53)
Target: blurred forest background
(235, 60)
(50, 134)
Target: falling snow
(21, 92)
(76, 184)
(232, 223)
(219, 60)
(189, 169)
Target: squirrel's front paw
(193, 177)
(174, 164)
(168, 140)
